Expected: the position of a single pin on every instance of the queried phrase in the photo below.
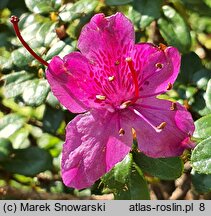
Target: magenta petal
(65, 79)
(156, 68)
(92, 148)
(106, 37)
(174, 138)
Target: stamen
(146, 120)
(159, 65)
(125, 104)
(14, 20)
(111, 78)
(117, 62)
(134, 75)
(162, 126)
(162, 46)
(173, 106)
(170, 86)
(101, 97)
(121, 132)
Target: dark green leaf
(52, 119)
(163, 168)
(58, 49)
(29, 161)
(127, 181)
(21, 57)
(187, 72)
(201, 157)
(199, 104)
(36, 92)
(3, 4)
(46, 33)
(174, 29)
(201, 182)
(71, 11)
(9, 124)
(40, 6)
(5, 148)
(201, 78)
(198, 6)
(143, 12)
(208, 95)
(16, 77)
(203, 127)
(117, 2)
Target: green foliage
(32, 122)
(174, 29)
(201, 155)
(162, 168)
(126, 180)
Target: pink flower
(114, 82)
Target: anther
(121, 132)
(111, 78)
(162, 46)
(173, 106)
(159, 65)
(117, 62)
(162, 126)
(125, 104)
(14, 20)
(128, 59)
(101, 97)
(169, 86)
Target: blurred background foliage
(32, 122)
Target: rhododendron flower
(114, 83)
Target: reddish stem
(14, 20)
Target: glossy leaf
(5, 148)
(36, 92)
(198, 6)
(21, 57)
(60, 49)
(201, 182)
(208, 95)
(199, 104)
(52, 119)
(126, 180)
(163, 168)
(9, 124)
(187, 72)
(29, 161)
(117, 2)
(201, 78)
(174, 29)
(77, 10)
(201, 157)
(143, 12)
(40, 6)
(203, 127)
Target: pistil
(134, 75)
(14, 20)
